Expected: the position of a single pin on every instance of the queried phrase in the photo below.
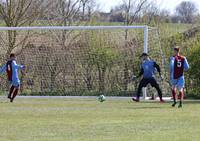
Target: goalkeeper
(11, 68)
(148, 68)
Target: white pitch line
(94, 97)
(78, 97)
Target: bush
(194, 94)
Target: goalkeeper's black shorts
(145, 81)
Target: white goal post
(70, 28)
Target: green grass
(89, 120)
(170, 29)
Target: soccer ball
(101, 98)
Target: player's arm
(3, 69)
(141, 72)
(186, 65)
(158, 68)
(171, 67)
(16, 66)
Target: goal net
(80, 60)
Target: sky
(106, 5)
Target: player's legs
(177, 83)
(16, 85)
(180, 85)
(15, 92)
(181, 95)
(174, 95)
(154, 84)
(143, 83)
(173, 90)
(11, 91)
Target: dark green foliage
(189, 42)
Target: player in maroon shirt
(11, 68)
(178, 64)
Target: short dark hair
(177, 48)
(144, 54)
(12, 55)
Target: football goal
(81, 60)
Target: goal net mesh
(79, 62)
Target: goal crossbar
(72, 27)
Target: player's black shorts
(145, 81)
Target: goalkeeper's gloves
(22, 67)
(161, 77)
(133, 77)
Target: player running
(148, 69)
(11, 67)
(178, 64)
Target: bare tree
(132, 9)
(117, 14)
(88, 5)
(164, 16)
(16, 13)
(128, 11)
(186, 11)
(84, 3)
(63, 13)
(151, 13)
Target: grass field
(89, 120)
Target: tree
(117, 14)
(128, 11)
(164, 16)
(17, 13)
(89, 6)
(98, 57)
(186, 11)
(102, 58)
(151, 13)
(132, 9)
(63, 13)
(192, 77)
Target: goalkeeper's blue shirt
(11, 67)
(148, 69)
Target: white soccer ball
(101, 98)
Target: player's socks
(174, 98)
(181, 95)
(180, 105)
(14, 94)
(174, 104)
(160, 94)
(10, 92)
